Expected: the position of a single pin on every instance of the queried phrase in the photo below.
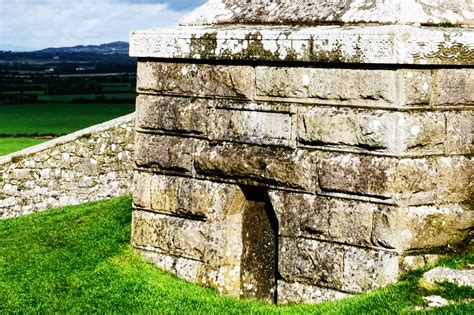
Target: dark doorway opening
(259, 265)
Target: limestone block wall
(343, 174)
(304, 163)
(88, 165)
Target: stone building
(302, 151)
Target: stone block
(375, 130)
(202, 80)
(454, 179)
(461, 278)
(367, 269)
(328, 86)
(175, 114)
(141, 189)
(295, 292)
(350, 221)
(335, 266)
(170, 153)
(184, 268)
(21, 174)
(311, 262)
(460, 132)
(415, 181)
(406, 181)
(193, 198)
(299, 213)
(226, 279)
(358, 174)
(421, 133)
(422, 227)
(416, 86)
(170, 235)
(258, 165)
(453, 87)
(324, 218)
(253, 126)
(164, 196)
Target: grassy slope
(78, 260)
(9, 145)
(56, 118)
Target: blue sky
(36, 24)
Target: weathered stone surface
(226, 279)
(414, 262)
(299, 213)
(416, 87)
(405, 181)
(252, 164)
(454, 87)
(337, 177)
(350, 221)
(219, 120)
(310, 261)
(184, 268)
(141, 189)
(177, 114)
(460, 132)
(415, 181)
(326, 218)
(358, 174)
(88, 165)
(302, 293)
(409, 263)
(253, 126)
(441, 274)
(391, 132)
(327, 86)
(454, 179)
(165, 152)
(391, 44)
(195, 79)
(366, 269)
(171, 235)
(421, 227)
(340, 267)
(435, 301)
(457, 12)
(187, 197)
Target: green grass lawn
(9, 145)
(78, 260)
(56, 118)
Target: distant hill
(105, 49)
(111, 57)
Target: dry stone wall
(91, 164)
(295, 164)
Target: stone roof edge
(318, 12)
(388, 44)
(67, 138)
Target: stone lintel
(388, 44)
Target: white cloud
(39, 24)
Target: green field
(74, 97)
(77, 260)
(9, 145)
(56, 118)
